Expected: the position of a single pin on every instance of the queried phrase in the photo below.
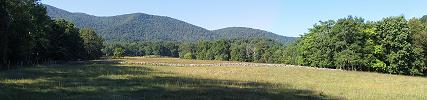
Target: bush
(188, 56)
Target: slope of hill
(144, 27)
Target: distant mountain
(424, 19)
(244, 32)
(144, 27)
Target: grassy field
(108, 80)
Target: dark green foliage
(267, 50)
(136, 48)
(392, 45)
(151, 28)
(68, 44)
(29, 36)
(221, 50)
(20, 21)
(92, 43)
(118, 52)
(240, 50)
(202, 50)
(187, 50)
(348, 43)
(419, 31)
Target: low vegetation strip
(219, 64)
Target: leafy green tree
(316, 47)
(419, 31)
(202, 50)
(396, 39)
(118, 52)
(392, 45)
(221, 50)
(19, 30)
(153, 49)
(185, 49)
(348, 59)
(238, 52)
(29, 36)
(348, 43)
(267, 57)
(259, 49)
(68, 45)
(169, 49)
(92, 43)
(188, 55)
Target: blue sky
(284, 17)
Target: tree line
(29, 36)
(392, 45)
(248, 50)
(140, 48)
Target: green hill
(244, 32)
(145, 27)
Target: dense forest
(149, 28)
(392, 45)
(30, 36)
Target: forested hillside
(247, 33)
(144, 27)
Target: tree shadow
(106, 80)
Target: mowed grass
(110, 81)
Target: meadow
(136, 78)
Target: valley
(212, 50)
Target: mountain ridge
(146, 27)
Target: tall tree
(396, 39)
(221, 50)
(68, 45)
(238, 52)
(186, 51)
(92, 43)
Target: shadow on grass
(107, 81)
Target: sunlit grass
(104, 80)
(347, 84)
